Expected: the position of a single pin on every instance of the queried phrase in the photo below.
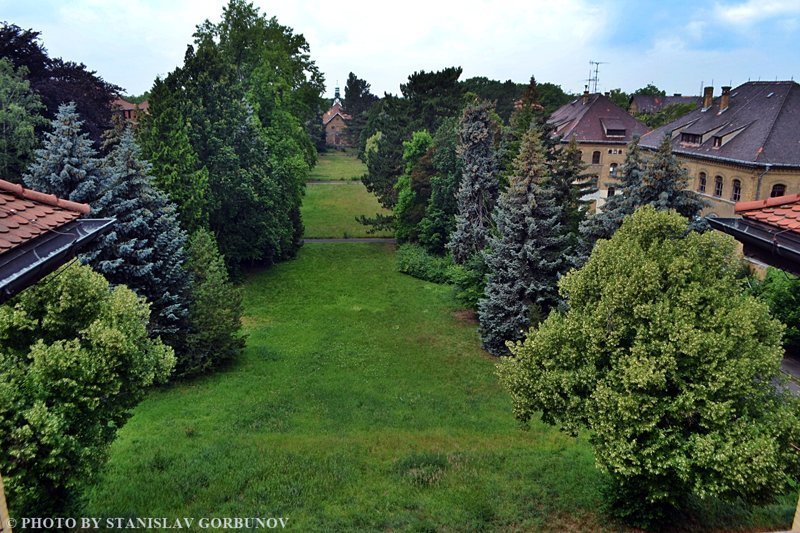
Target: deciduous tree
(669, 365)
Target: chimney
(708, 98)
(724, 99)
(585, 94)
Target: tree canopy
(658, 326)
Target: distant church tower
(335, 121)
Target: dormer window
(613, 127)
(691, 138)
(717, 142)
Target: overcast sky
(675, 44)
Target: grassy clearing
(330, 210)
(362, 403)
(336, 165)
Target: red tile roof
(26, 214)
(781, 211)
(336, 109)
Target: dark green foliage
(75, 358)
(163, 134)
(527, 255)
(432, 97)
(357, 102)
(245, 91)
(215, 311)
(620, 97)
(781, 292)
(469, 280)
(649, 90)
(440, 213)
(503, 94)
(387, 128)
(414, 185)
(413, 260)
(479, 186)
(67, 164)
(19, 118)
(145, 248)
(571, 185)
(58, 81)
(666, 115)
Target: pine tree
(477, 194)
(571, 186)
(527, 256)
(145, 248)
(605, 222)
(67, 163)
(660, 182)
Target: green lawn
(362, 403)
(336, 165)
(330, 210)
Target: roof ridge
(43, 198)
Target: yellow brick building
(743, 145)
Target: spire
(337, 93)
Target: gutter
(771, 246)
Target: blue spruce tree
(527, 255)
(145, 249)
(67, 164)
(478, 190)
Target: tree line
(209, 183)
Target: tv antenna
(594, 71)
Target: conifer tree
(478, 191)
(145, 248)
(571, 186)
(215, 311)
(660, 182)
(526, 256)
(67, 163)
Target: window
(596, 157)
(615, 133)
(718, 186)
(611, 192)
(717, 142)
(701, 182)
(610, 151)
(689, 138)
(779, 189)
(736, 195)
(612, 170)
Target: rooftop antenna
(594, 71)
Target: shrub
(215, 311)
(469, 280)
(413, 260)
(781, 292)
(75, 357)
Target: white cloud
(754, 11)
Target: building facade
(602, 130)
(741, 146)
(335, 121)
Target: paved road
(355, 239)
(791, 366)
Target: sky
(678, 45)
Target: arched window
(611, 192)
(779, 189)
(612, 170)
(718, 186)
(701, 182)
(596, 157)
(736, 194)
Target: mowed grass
(335, 165)
(362, 403)
(330, 210)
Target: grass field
(362, 403)
(330, 210)
(336, 165)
